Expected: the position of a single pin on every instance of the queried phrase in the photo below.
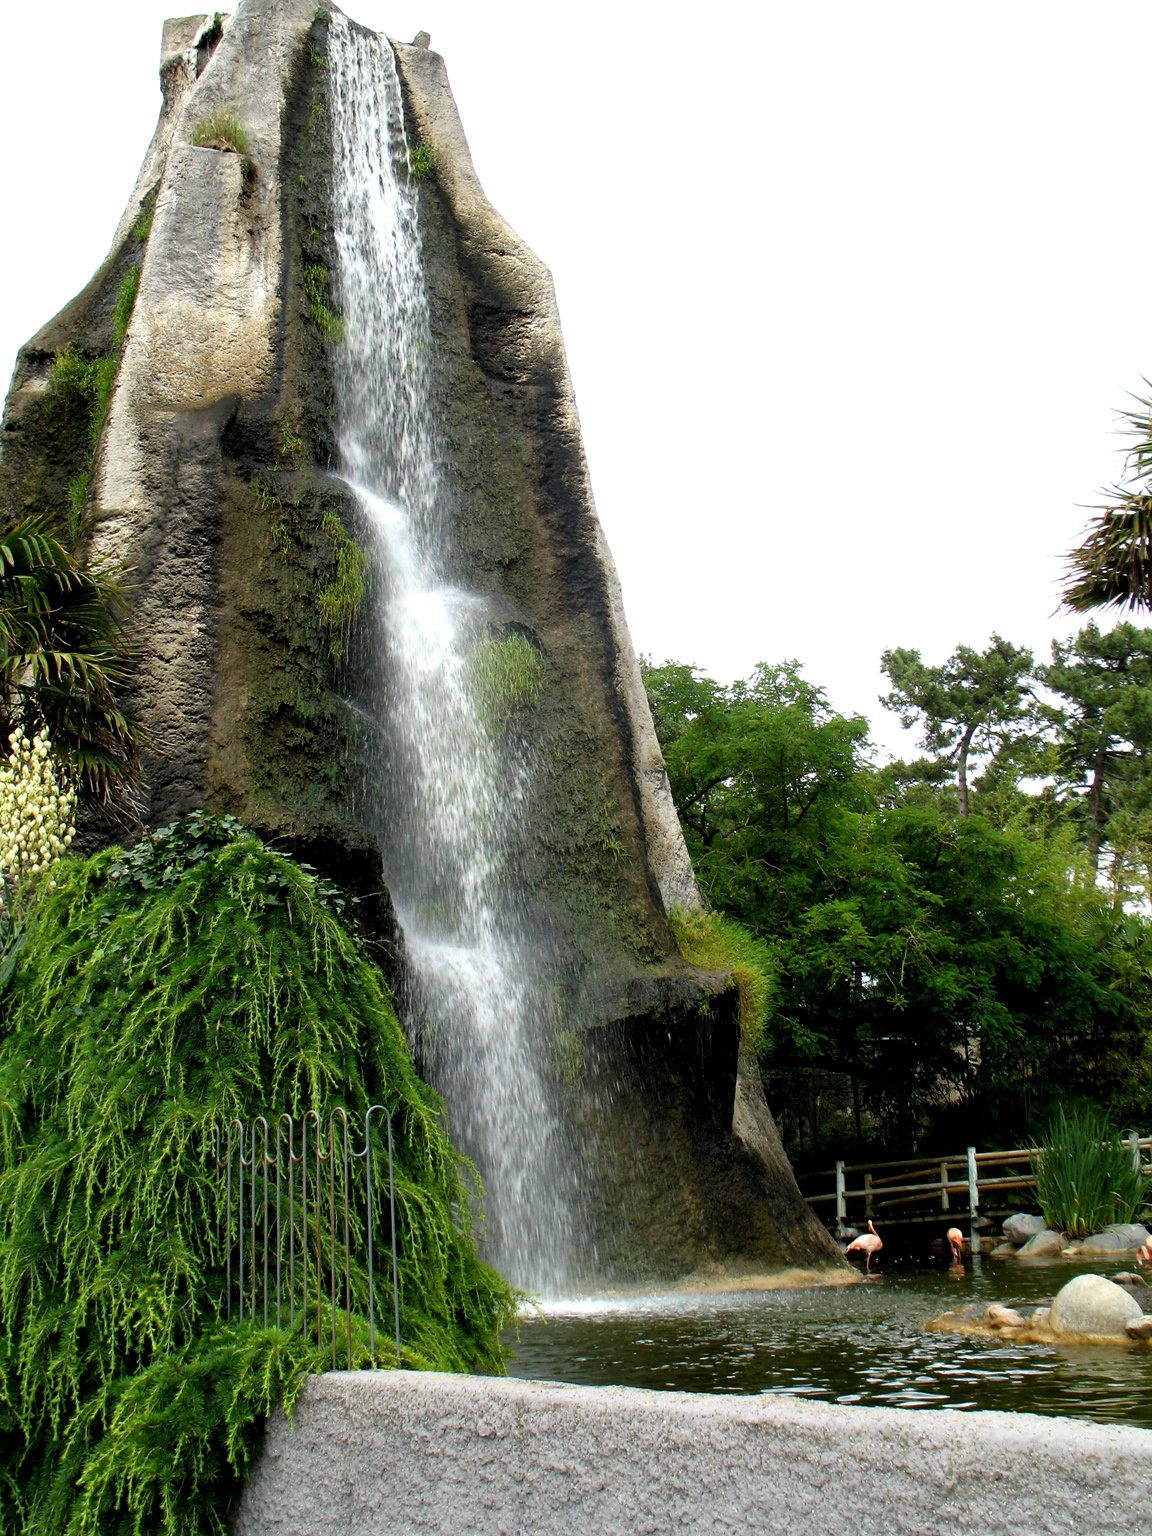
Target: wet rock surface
(1090, 1309)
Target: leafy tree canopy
(976, 704)
(933, 959)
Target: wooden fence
(972, 1185)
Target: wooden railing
(923, 1189)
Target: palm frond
(1112, 568)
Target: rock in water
(1020, 1227)
(1090, 1304)
(218, 317)
(1045, 1244)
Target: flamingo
(867, 1243)
(955, 1240)
(1144, 1253)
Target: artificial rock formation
(208, 483)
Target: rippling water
(862, 1344)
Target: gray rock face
(1133, 1233)
(1020, 1227)
(1090, 1304)
(1105, 1242)
(1043, 1245)
(210, 484)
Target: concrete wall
(471, 1456)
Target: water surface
(863, 1344)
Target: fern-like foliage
(155, 994)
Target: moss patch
(716, 943)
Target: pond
(863, 1344)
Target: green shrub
(716, 943)
(224, 131)
(1084, 1175)
(157, 993)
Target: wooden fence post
(841, 1208)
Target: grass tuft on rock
(223, 131)
(716, 943)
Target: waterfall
(449, 788)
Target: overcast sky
(852, 295)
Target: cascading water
(449, 788)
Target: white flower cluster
(37, 811)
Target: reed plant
(1084, 1175)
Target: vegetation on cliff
(63, 651)
(155, 994)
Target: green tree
(976, 706)
(63, 652)
(1101, 719)
(760, 772)
(944, 965)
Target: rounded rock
(1090, 1304)
(1020, 1227)
(1044, 1244)
(1105, 1242)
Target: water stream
(448, 790)
(863, 1344)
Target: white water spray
(450, 791)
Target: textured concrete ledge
(407, 1452)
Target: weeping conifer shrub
(155, 994)
(1084, 1175)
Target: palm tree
(1112, 568)
(63, 651)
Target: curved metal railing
(297, 1202)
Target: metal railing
(297, 1212)
(944, 1185)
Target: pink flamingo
(867, 1243)
(1144, 1253)
(955, 1240)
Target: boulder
(1134, 1233)
(1139, 1328)
(1045, 1244)
(1004, 1250)
(1090, 1304)
(1019, 1228)
(1108, 1241)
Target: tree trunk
(962, 767)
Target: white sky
(851, 294)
